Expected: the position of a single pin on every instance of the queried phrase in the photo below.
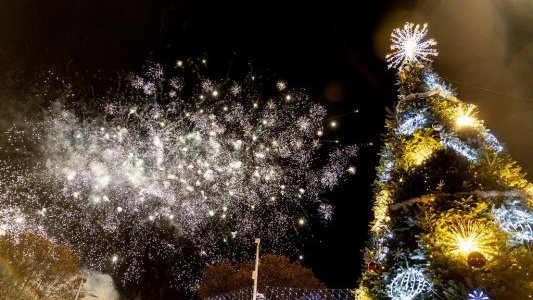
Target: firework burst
(165, 163)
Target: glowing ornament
(408, 284)
(478, 295)
(476, 259)
(408, 44)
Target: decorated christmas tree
(453, 214)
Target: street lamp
(82, 281)
(255, 272)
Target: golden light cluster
(420, 148)
(464, 116)
(464, 236)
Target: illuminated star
(408, 44)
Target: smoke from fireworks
(164, 161)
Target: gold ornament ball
(476, 259)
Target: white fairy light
(408, 44)
(455, 143)
(412, 123)
(492, 141)
(433, 82)
(516, 220)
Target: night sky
(334, 49)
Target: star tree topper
(410, 44)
